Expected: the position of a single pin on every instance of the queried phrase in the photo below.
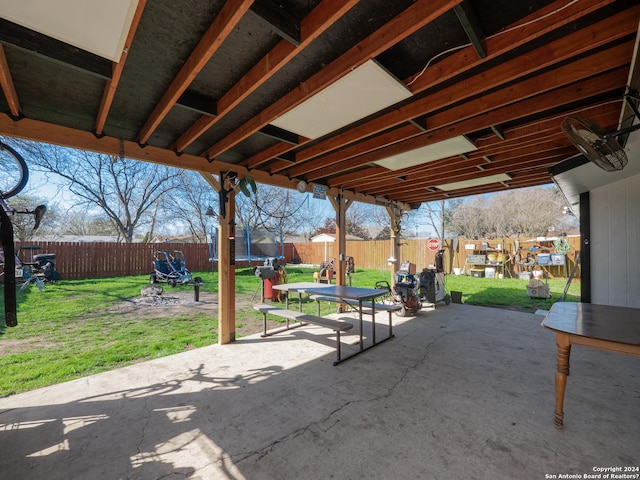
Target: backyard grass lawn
(74, 328)
(509, 293)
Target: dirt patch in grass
(13, 346)
(171, 303)
(180, 302)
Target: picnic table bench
(368, 307)
(302, 318)
(358, 298)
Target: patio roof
(392, 87)
(460, 392)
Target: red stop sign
(433, 244)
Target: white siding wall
(615, 243)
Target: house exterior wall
(615, 238)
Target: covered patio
(471, 95)
(388, 103)
(460, 392)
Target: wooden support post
(226, 265)
(340, 205)
(395, 215)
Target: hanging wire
(515, 27)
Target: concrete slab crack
(418, 363)
(263, 452)
(148, 410)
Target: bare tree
(359, 216)
(84, 223)
(355, 229)
(311, 217)
(435, 215)
(470, 218)
(377, 216)
(187, 205)
(122, 189)
(530, 211)
(271, 207)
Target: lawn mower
(170, 266)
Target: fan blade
(594, 143)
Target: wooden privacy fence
(93, 260)
(374, 253)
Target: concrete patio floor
(461, 392)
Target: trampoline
(251, 245)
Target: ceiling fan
(599, 146)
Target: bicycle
(14, 175)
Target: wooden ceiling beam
(585, 89)
(353, 162)
(464, 60)
(312, 26)
(546, 156)
(270, 153)
(538, 177)
(578, 70)
(39, 131)
(354, 176)
(461, 171)
(452, 167)
(532, 168)
(540, 171)
(538, 180)
(398, 28)
(523, 162)
(8, 88)
(547, 19)
(556, 52)
(508, 99)
(443, 165)
(316, 169)
(224, 23)
(532, 132)
(474, 173)
(116, 72)
(521, 135)
(543, 145)
(277, 165)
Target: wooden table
(614, 329)
(343, 292)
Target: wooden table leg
(564, 351)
